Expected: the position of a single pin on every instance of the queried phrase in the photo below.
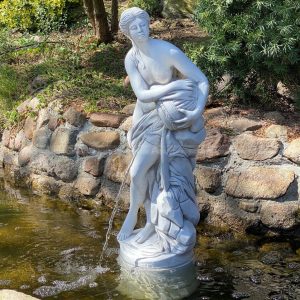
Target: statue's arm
(141, 88)
(184, 65)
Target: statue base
(150, 255)
(152, 281)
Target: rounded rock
(101, 140)
(276, 131)
(214, 146)
(259, 182)
(116, 167)
(128, 109)
(292, 152)
(250, 147)
(209, 179)
(106, 120)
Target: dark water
(50, 249)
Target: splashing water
(89, 279)
(115, 210)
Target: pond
(50, 249)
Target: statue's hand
(183, 84)
(190, 118)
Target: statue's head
(134, 23)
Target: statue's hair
(130, 15)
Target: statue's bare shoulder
(167, 49)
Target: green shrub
(35, 15)
(255, 42)
(153, 7)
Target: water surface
(50, 249)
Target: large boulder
(208, 178)
(224, 211)
(101, 140)
(276, 131)
(116, 167)
(109, 192)
(259, 182)
(20, 140)
(244, 124)
(215, 145)
(127, 124)
(43, 118)
(63, 141)
(41, 137)
(14, 295)
(74, 117)
(29, 127)
(128, 109)
(44, 185)
(94, 165)
(280, 215)
(87, 184)
(26, 154)
(106, 119)
(58, 166)
(65, 168)
(43, 162)
(255, 148)
(292, 152)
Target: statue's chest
(155, 71)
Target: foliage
(153, 7)
(255, 42)
(178, 8)
(35, 15)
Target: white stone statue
(167, 128)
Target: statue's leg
(145, 158)
(149, 228)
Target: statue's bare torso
(155, 69)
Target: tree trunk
(103, 33)
(96, 13)
(89, 10)
(114, 16)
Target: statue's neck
(142, 47)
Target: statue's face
(139, 30)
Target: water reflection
(140, 283)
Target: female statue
(167, 129)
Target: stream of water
(50, 249)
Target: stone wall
(247, 172)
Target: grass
(69, 66)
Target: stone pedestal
(157, 283)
